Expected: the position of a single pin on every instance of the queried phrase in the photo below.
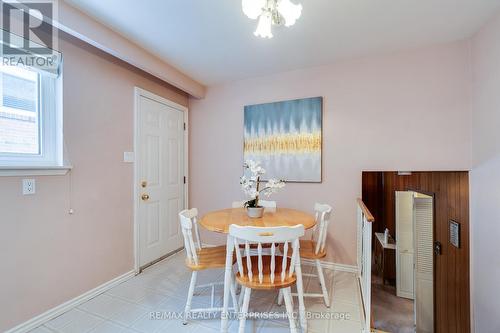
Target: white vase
(255, 212)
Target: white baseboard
(334, 266)
(60, 309)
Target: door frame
(138, 92)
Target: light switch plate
(128, 157)
(28, 186)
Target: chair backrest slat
(295, 253)
(238, 256)
(259, 254)
(197, 230)
(273, 261)
(274, 235)
(283, 263)
(323, 213)
(249, 259)
(188, 223)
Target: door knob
(145, 197)
(437, 248)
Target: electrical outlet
(28, 186)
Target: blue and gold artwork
(285, 137)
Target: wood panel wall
(372, 187)
(451, 202)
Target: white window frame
(50, 160)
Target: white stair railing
(364, 225)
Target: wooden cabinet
(385, 259)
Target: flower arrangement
(252, 185)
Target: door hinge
(184, 179)
(184, 126)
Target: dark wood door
(451, 267)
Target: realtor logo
(28, 35)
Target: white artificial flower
(249, 184)
(252, 193)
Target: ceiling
(212, 40)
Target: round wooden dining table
(220, 220)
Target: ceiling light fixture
(271, 12)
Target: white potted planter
(255, 212)
(253, 188)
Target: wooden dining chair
(200, 258)
(315, 249)
(267, 272)
(263, 203)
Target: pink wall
(48, 256)
(405, 111)
(485, 178)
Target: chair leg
(187, 309)
(280, 297)
(287, 294)
(300, 294)
(233, 295)
(242, 294)
(244, 309)
(322, 282)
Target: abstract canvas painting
(286, 138)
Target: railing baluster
(364, 227)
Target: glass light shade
(290, 11)
(253, 8)
(264, 26)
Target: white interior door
(424, 282)
(404, 245)
(160, 176)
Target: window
(30, 119)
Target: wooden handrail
(366, 211)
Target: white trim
(141, 92)
(66, 306)
(50, 131)
(14, 171)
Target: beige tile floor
(163, 288)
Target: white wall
(404, 111)
(485, 179)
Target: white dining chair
(199, 258)
(315, 249)
(267, 272)
(263, 203)
(238, 204)
(267, 204)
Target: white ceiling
(212, 40)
